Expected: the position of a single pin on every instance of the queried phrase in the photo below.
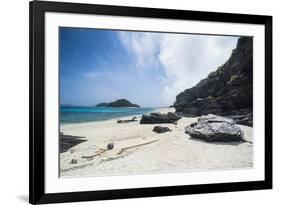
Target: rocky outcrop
(158, 118)
(212, 128)
(134, 119)
(68, 141)
(228, 91)
(118, 103)
(159, 129)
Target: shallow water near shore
(79, 114)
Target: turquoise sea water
(88, 114)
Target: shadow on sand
(68, 141)
(234, 143)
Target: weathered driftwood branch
(133, 146)
(101, 151)
(96, 154)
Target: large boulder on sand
(212, 128)
(157, 118)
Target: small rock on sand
(73, 161)
(159, 129)
(110, 146)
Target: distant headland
(118, 103)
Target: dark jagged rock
(158, 118)
(159, 129)
(243, 116)
(212, 128)
(228, 91)
(118, 103)
(134, 119)
(68, 141)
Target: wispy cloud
(96, 75)
(143, 46)
(184, 59)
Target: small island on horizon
(118, 103)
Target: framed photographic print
(140, 102)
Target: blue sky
(146, 68)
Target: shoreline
(172, 152)
(161, 109)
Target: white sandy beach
(173, 151)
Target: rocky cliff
(228, 91)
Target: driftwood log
(99, 152)
(137, 145)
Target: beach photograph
(139, 102)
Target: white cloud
(144, 46)
(185, 59)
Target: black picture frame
(37, 9)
